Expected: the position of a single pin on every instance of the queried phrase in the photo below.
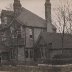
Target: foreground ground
(39, 68)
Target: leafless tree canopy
(10, 7)
(63, 20)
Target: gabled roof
(30, 19)
(27, 18)
(56, 39)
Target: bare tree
(10, 7)
(63, 20)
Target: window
(14, 36)
(13, 32)
(11, 29)
(26, 53)
(30, 36)
(19, 34)
(29, 53)
(5, 55)
(5, 20)
(12, 53)
(50, 45)
(30, 33)
(3, 37)
(43, 52)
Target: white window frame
(4, 37)
(30, 32)
(5, 20)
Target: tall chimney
(48, 16)
(17, 7)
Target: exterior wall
(55, 52)
(23, 32)
(66, 52)
(2, 18)
(21, 54)
(29, 41)
(37, 32)
(9, 18)
(5, 57)
(57, 43)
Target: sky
(36, 6)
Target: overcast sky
(36, 6)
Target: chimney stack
(48, 16)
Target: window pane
(5, 20)
(11, 29)
(30, 31)
(31, 53)
(30, 36)
(5, 55)
(26, 53)
(19, 34)
(50, 45)
(3, 36)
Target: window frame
(31, 33)
(5, 20)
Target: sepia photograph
(35, 35)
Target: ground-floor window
(28, 53)
(12, 53)
(43, 53)
(5, 55)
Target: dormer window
(5, 20)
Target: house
(19, 30)
(53, 48)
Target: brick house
(19, 31)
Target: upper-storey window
(13, 32)
(3, 37)
(30, 33)
(5, 20)
(11, 29)
(19, 33)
